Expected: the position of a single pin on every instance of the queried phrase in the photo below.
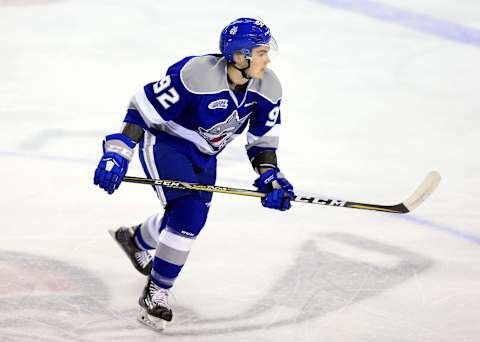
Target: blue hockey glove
(278, 188)
(117, 153)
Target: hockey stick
(424, 190)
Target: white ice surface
(369, 108)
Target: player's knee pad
(187, 215)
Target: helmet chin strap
(243, 71)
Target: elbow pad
(264, 159)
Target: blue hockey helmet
(242, 35)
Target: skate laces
(143, 258)
(159, 295)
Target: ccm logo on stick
(169, 183)
(317, 200)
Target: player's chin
(259, 74)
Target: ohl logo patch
(222, 104)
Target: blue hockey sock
(187, 216)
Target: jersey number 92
(168, 95)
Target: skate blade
(154, 323)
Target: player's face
(259, 62)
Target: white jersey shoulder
(207, 75)
(204, 75)
(269, 86)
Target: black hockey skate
(141, 260)
(156, 311)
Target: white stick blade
(425, 189)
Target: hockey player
(181, 123)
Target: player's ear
(239, 58)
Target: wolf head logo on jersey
(219, 135)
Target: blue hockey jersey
(193, 109)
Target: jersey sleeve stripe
(134, 117)
(266, 142)
(146, 109)
(274, 132)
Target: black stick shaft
(180, 185)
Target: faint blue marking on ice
(443, 228)
(415, 21)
